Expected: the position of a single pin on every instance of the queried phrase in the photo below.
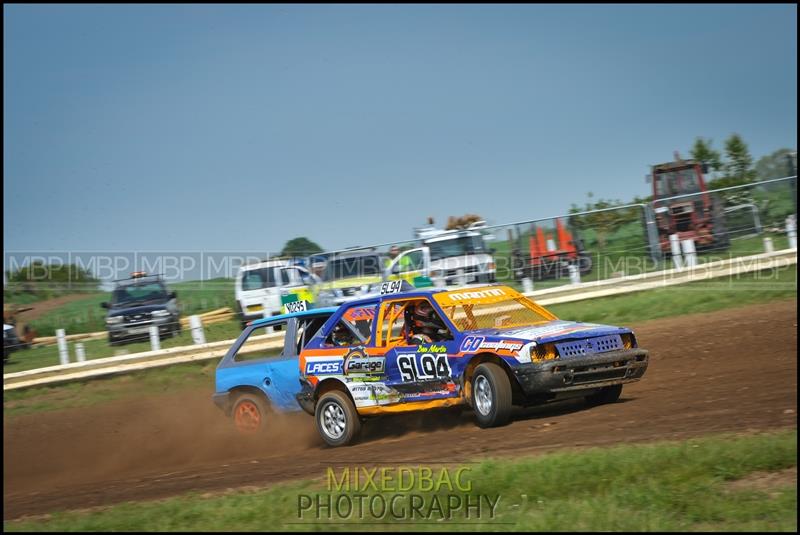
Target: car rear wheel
(607, 394)
(337, 419)
(249, 413)
(491, 395)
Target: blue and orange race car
(405, 349)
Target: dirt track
(730, 371)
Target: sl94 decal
(391, 287)
(424, 367)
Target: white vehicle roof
(264, 264)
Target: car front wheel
(337, 419)
(491, 395)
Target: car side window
(259, 346)
(354, 327)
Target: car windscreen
(354, 266)
(256, 279)
(465, 245)
(139, 293)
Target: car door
(298, 286)
(264, 361)
(417, 372)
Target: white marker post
(689, 253)
(791, 231)
(155, 339)
(63, 352)
(768, 247)
(196, 326)
(574, 274)
(80, 354)
(675, 246)
(265, 313)
(527, 285)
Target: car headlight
(365, 288)
(160, 313)
(113, 320)
(524, 354)
(628, 341)
(544, 352)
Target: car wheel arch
(329, 384)
(481, 358)
(238, 391)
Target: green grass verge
(41, 356)
(681, 299)
(86, 315)
(680, 486)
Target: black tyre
(607, 394)
(250, 412)
(491, 395)
(338, 422)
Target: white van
(264, 287)
(458, 257)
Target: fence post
(791, 231)
(196, 326)
(155, 339)
(768, 247)
(527, 285)
(63, 352)
(675, 247)
(652, 232)
(574, 274)
(689, 253)
(80, 354)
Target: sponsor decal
(554, 329)
(425, 367)
(466, 296)
(471, 344)
(435, 348)
(324, 367)
(296, 306)
(360, 313)
(357, 361)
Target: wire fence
(532, 254)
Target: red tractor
(683, 206)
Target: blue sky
(238, 127)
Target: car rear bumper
(582, 373)
(223, 401)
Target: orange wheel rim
(247, 417)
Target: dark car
(137, 304)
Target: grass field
(85, 315)
(621, 310)
(708, 484)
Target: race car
(406, 349)
(260, 375)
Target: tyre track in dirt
(730, 371)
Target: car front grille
(590, 346)
(137, 318)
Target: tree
(454, 223)
(775, 165)
(301, 246)
(702, 151)
(740, 164)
